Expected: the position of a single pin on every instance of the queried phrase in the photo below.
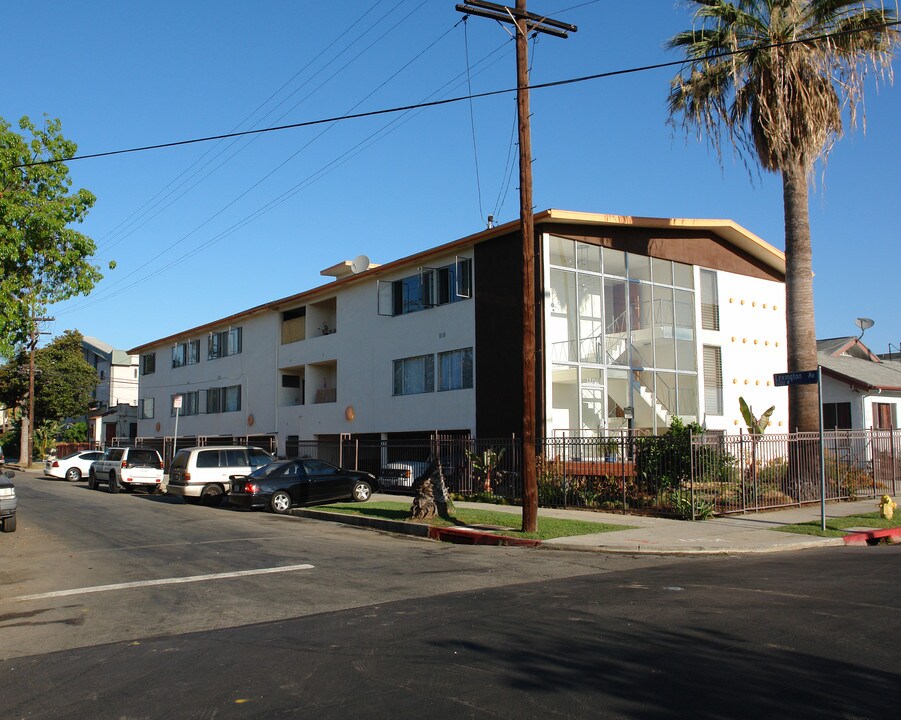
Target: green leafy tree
(774, 76)
(42, 259)
(64, 381)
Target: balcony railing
(326, 395)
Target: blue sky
(195, 232)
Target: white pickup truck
(126, 468)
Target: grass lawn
(835, 526)
(548, 527)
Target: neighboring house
(6, 419)
(113, 412)
(860, 390)
(638, 320)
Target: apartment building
(638, 320)
(113, 411)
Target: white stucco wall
(364, 346)
(356, 359)
(253, 369)
(752, 337)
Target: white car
(72, 467)
(398, 476)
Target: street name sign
(802, 377)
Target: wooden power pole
(524, 22)
(26, 440)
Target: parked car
(399, 476)
(72, 467)
(7, 502)
(201, 474)
(2, 459)
(284, 484)
(127, 468)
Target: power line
(453, 100)
(145, 217)
(106, 294)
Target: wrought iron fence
(676, 474)
(620, 473)
(741, 473)
(470, 466)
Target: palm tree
(774, 77)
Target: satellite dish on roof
(864, 324)
(359, 264)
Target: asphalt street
(382, 626)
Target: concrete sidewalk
(734, 534)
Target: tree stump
(424, 506)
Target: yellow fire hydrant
(886, 507)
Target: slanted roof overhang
(860, 384)
(728, 230)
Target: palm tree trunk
(803, 413)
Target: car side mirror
(10, 474)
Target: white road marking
(161, 581)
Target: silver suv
(202, 474)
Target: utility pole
(26, 440)
(524, 23)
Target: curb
(463, 536)
(695, 551)
(393, 526)
(872, 537)
(458, 536)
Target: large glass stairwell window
(621, 337)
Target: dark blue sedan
(284, 484)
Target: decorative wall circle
(349, 413)
(250, 420)
(157, 427)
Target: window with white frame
(430, 287)
(190, 403)
(146, 408)
(221, 344)
(710, 301)
(223, 399)
(713, 380)
(455, 369)
(193, 352)
(179, 355)
(148, 363)
(414, 375)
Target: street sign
(802, 377)
(176, 402)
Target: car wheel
(113, 484)
(9, 525)
(211, 495)
(362, 491)
(73, 474)
(280, 502)
(92, 480)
